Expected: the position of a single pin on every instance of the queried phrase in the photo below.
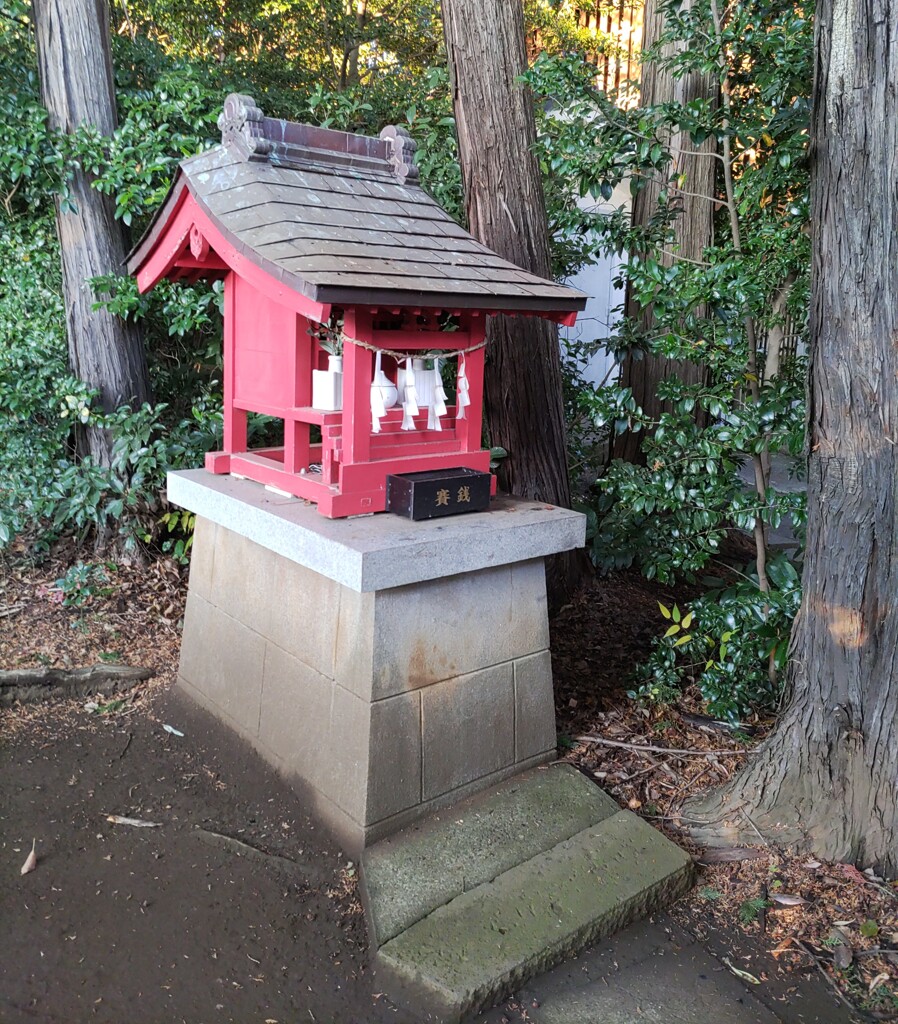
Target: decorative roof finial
(402, 158)
(242, 127)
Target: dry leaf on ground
(744, 975)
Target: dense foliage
(348, 66)
(671, 513)
(168, 103)
(44, 487)
(357, 67)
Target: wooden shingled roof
(342, 219)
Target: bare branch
(661, 750)
(685, 259)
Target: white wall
(602, 309)
(597, 320)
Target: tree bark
(77, 89)
(826, 778)
(506, 210)
(33, 684)
(776, 334)
(693, 227)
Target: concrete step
(410, 874)
(486, 941)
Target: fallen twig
(758, 832)
(690, 783)
(659, 750)
(833, 984)
(852, 873)
(12, 609)
(118, 819)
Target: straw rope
(448, 353)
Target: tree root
(304, 872)
(723, 818)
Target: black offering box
(443, 492)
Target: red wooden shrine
(321, 235)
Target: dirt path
(152, 925)
(146, 925)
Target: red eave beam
(567, 319)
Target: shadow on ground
(151, 925)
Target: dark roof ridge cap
(402, 153)
(242, 127)
(251, 136)
(346, 171)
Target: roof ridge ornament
(402, 152)
(242, 126)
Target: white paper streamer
(423, 383)
(409, 398)
(383, 394)
(439, 393)
(378, 408)
(437, 406)
(462, 400)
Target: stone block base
(383, 704)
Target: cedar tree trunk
(827, 777)
(77, 88)
(693, 226)
(506, 211)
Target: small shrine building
(326, 241)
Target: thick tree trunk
(693, 226)
(506, 211)
(827, 777)
(77, 88)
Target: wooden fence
(621, 24)
(615, 28)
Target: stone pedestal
(387, 668)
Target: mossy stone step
(488, 941)
(409, 875)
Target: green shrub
(726, 643)
(670, 514)
(82, 583)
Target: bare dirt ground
(173, 923)
(236, 908)
(149, 924)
